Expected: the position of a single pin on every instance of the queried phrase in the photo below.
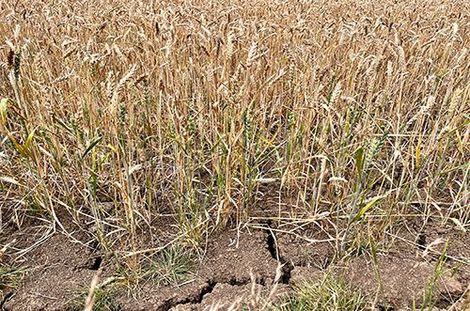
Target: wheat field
(115, 114)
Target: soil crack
(421, 241)
(273, 248)
(196, 299)
(96, 264)
(6, 297)
(204, 291)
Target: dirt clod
(403, 280)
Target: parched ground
(242, 268)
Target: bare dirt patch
(308, 248)
(400, 281)
(57, 270)
(233, 259)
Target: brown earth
(56, 270)
(241, 268)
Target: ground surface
(242, 268)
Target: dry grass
(353, 111)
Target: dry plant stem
(91, 294)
